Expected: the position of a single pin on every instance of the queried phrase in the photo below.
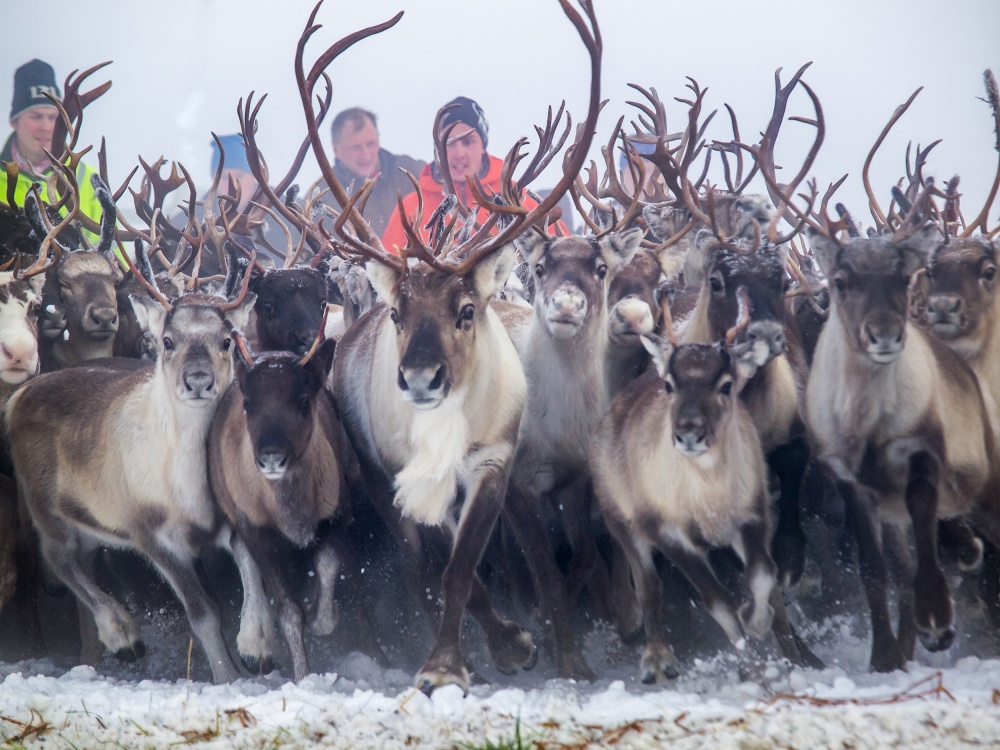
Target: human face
(358, 149)
(465, 152)
(34, 129)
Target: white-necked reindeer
(113, 456)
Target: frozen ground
(944, 700)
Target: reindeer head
(635, 298)
(869, 279)
(701, 382)
(194, 343)
(572, 275)
(289, 309)
(436, 315)
(279, 396)
(83, 284)
(19, 304)
(960, 288)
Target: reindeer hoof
(513, 653)
(658, 661)
(532, 660)
(256, 666)
(443, 669)
(937, 641)
(131, 653)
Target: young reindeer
(429, 385)
(278, 461)
(74, 436)
(678, 467)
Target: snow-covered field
(944, 700)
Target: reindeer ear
(824, 250)
(659, 349)
(322, 361)
(240, 315)
(150, 314)
(618, 248)
(700, 255)
(917, 249)
(383, 279)
(493, 270)
(662, 220)
(530, 245)
(37, 282)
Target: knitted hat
(469, 112)
(31, 82)
(236, 153)
(640, 148)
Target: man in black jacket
(360, 157)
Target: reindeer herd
(685, 377)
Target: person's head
(652, 173)
(468, 139)
(32, 114)
(234, 165)
(355, 141)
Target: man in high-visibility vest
(33, 118)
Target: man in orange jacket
(466, 156)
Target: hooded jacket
(433, 192)
(382, 199)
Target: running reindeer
(428, 383)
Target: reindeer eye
(539, 270)
(989, 273)
(303, 405)
(226, 344)
(601, 271)
(840, 284)
(668, 387)
(715, 282)
(726, 389)
(168, 344)
(394, 316)
(268, 309)
(467, 314)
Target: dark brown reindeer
(428, 382)
(84, 483)
(278, 461)
(706, 488)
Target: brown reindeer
(279, 461)
(74, 437)
(678, 467)
(428, 383)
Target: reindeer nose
(770, 333)
(690, 431)
(568, 302)
(945, 303)
(104, 316)
(272, 460)
(884, 335)
(422, 383)
(13, 358)
(199, 382)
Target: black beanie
(469, 112)
(31, 82)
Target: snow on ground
(944, 700)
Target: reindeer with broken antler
(74, 435)
(428, 383)
(897, 422)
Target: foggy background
(180, 67)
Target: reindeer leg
(933, 608)
(658, 660)
(901, 572)
(484, 496)
(173, 557)
(757, 614)
(256, 621)
(115, 628)
(521, 511)
(511, 646)
(788, 546)
(861, 514)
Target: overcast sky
(180, 67)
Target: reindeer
(279, 462)
(706, 488)
(74, 434)
(428, 383)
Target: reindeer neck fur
(696, 329)
(983, 352)
(849, 395)
(429, 451)
(567, 390)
